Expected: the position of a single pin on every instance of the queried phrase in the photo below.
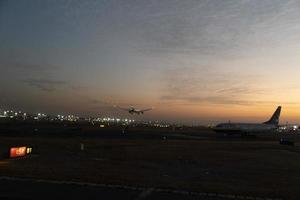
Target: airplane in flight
(136, 111)
(248, 128)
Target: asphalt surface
(29, 189)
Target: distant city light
(71, 118)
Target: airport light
(17, 152)
(22, 151)
(28, 150)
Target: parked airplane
(246, 128)
(133, 110)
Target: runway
(161, 165)
(30, 189)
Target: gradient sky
(195, 61)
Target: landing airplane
(136, 111)
(247, 128)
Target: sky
(194, 61)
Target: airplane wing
(146, 109)
(126, 109)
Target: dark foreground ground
(158, 162)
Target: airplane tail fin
(275, 117)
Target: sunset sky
(194, 61)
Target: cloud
(209, 99)
(25, 67)
(45, 85)
(34, 67)
(193, 27)
(205, 84)
(239, 90)
(219, 100)
(78, 87)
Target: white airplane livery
(245, 128)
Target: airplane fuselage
(137, 112)
(241, 128)
(244, 128)
(134, 111)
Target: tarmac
(30, 189)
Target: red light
(17, 152)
